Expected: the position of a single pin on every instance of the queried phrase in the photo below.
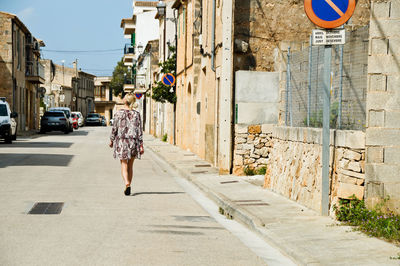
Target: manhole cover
(47, 208)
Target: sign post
(328, 14)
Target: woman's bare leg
(124, 172)
(130, 170)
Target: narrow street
(160, 224)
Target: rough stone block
(379, 46)
(242, 152)
(254, 129)
(392, 119)
(266, 128)
(238, 170)
(262, 161)
(251, 137)
(354, 166)
(254, 156)
(241, 129)
(382, 137)
(374, 155)
(249, 161)
(248, 147)
(352, 155)
(238, 160)
(350, 180)
(344, 163)
(240, 140)
(351, 173)
(350, 139)
(376, 118)
(345, 191)
(392, 156)
(380, 9)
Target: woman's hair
(131, 100)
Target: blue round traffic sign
(329, 13)
(168, 80)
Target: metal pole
(340, 88)
(309, 82)
(290, 92)
(287, 87)
(326, 130)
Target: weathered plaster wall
(263, 24)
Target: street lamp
(140, 48)
(161, 7)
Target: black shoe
(127, 191)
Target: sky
(76, 25)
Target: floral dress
(127, 134)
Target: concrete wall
(256, 97)
(383, 105)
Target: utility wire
(81, 51)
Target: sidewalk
(299, 232)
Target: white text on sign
(329, 37)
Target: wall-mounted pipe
(213, 38)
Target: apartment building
(105, 102)
(21, 73)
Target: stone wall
(293, 159)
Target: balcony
(129, 85)
(129, 55)
(34, 72)
(129, 26)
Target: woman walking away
(127, 139)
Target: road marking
(332, 4)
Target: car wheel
(42, 131)
(8, 140)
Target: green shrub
(249, 171)
(165, 137)
(373, 222)
(262, 170)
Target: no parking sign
(329, 14)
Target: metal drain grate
(202, 165)
(47, 208)
(254, 204)
(199, 172)
(229, 182)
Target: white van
(8, 125)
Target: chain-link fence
(304, 88)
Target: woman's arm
(114, 130)
(140, 134)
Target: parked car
(54, 121)
(8, 124)
(81, 120)
(103, 121)
(67, 112)
(75, 123)
(93, 119)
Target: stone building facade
(105, 102)
(21, 73)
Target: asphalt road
(159, 224)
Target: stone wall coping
(352, 139)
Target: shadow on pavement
(25, 159)
(156, 193)
(59, 133)
(24, 144)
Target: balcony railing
(129, 49)
(128, 80)
(35, 72)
